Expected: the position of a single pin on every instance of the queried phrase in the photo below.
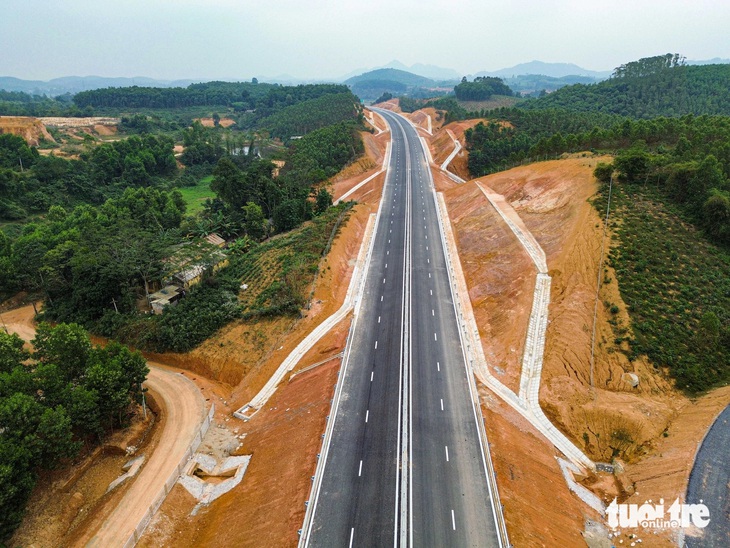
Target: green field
(195, 196)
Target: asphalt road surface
(709, 482)
(405, 466)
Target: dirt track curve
(184, 408)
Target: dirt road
(184, 408)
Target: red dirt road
(184, 409)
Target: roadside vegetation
(95, 235)
(59, 400)
(676, 285)
(671, 213)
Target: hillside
(671, 92)
(374, 83)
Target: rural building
(168, 295)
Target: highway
(709, 482)
(405, 465)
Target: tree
(323, 201)
(66, 345)
(254, 222)
(11, 351)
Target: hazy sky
(169, 39)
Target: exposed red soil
(267, 507)
(223, 122)
(30, 129)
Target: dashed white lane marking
(371, 375)
(431, 290)
(429, 274)
(434, 337)
(376, 345)
(383, 280)
(386, 265)
(378, 319)
(352, 532)
(445, 446)
(442, 404)
(387, 252)
(367, 414)
(432, 312)
(428, 261)
(359, 472)
(438, 366)
(381, 298)
(453, 521)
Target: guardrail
(170, 483)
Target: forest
(656, 87)
(481, 88)
(60, 399)
(76, 254)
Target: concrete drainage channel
(207, 479)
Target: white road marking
(367, 414)
(442, 404)
(352, 532)
(429, 274)
(381, 298)
(453, 520)
(432, 312)
(383, 280)
(387, 252)
(428, 261)
(438, 366)
(371, 375)
(378, 319)
(376, 345)
(386, 265)
(434, 337)
(359, 472)
(446, 446)
(431, 290)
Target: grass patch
(676, 285)
(195, 196)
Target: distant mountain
(555, 70)
(428, 71)
(713, 61)
(392, 75)
(74, 84)
(374, 83)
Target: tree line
(481, 88)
